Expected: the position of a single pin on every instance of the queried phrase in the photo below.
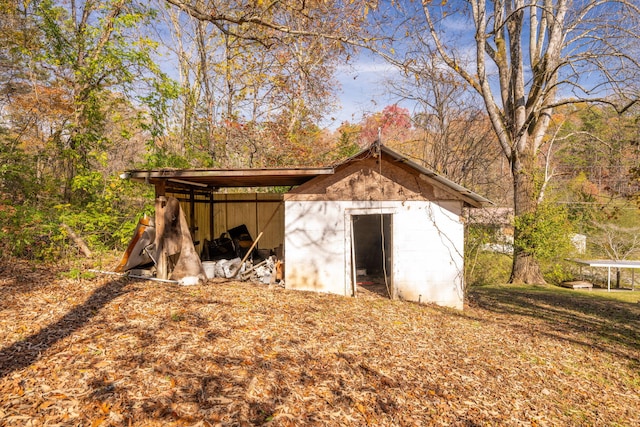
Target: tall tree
(249, 68)
(530, 56)
(79, 64)
(452, 132)
(392, 125)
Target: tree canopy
(531, 103)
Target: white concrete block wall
(428, 255)
(427, 248)
(314, 247)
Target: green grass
(621, 295)
(614, 295)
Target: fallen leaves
(111, 352)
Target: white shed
(379, 215)
(377, 219)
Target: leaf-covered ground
(110, 351)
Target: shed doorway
(372, 253)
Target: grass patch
(620, 295)
(596, 317)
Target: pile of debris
(232, 255)
(267, 271)
(235, 255)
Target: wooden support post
(211, 213)
(192, 214)
(162, 268)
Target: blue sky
(362, 90)
(363, 81)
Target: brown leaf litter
(110, 351)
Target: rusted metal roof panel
(223, 178)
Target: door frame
(350, 268)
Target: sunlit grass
(622, 295)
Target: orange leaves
(98, 421)
(104, 407)
(254, 354)
(40, 112)
(54, 102)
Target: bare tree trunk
(525, 268)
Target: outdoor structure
(383, 214)
(375, 218)
(609, 264)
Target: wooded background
(91, 88)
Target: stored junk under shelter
(376, 220)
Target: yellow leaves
(272, 355)
(19, 391)
(105, 407)
(59, 396)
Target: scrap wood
(133, 276)
(246, 256)
(116, 352)
(247, 272)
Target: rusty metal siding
(230, 210)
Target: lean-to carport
(330, 215)
(203, 185)
(608, 264)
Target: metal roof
(436, 179)
(623, 263)
(444, 182)
(211, 179)
(220, 178)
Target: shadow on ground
(613, 326)
(23, 353)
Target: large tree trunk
(525, 269)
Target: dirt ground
(109, 351)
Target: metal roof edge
(478, 200)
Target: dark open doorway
(372, 253)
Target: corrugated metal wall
(215, 214)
